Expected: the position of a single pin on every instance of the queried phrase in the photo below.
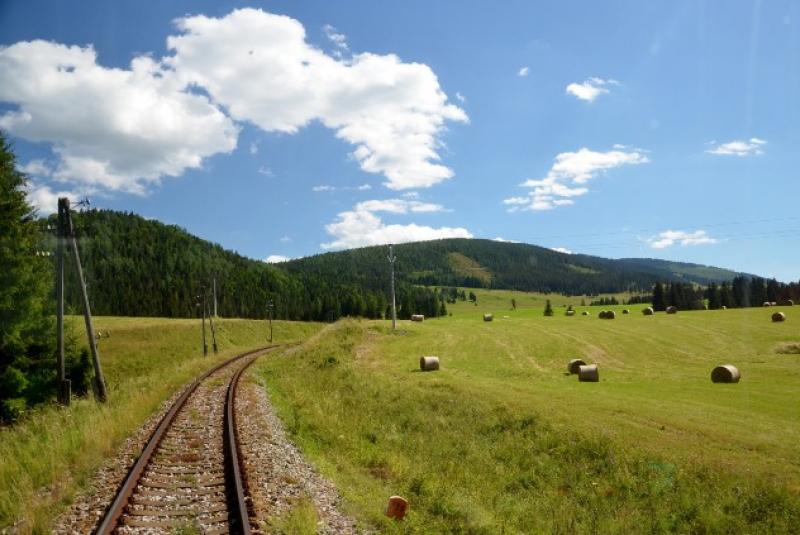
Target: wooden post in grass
(87, 314)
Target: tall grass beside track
(502, 440)
(49, 457)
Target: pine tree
(548, 309)
(25, 321)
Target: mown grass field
(502, 440)
(499, 440)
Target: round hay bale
(584, 313)
(789, 303)
(725, 374)
(570, 313)
(672, 310)
(724, 307)
(610, 315)
(648, 311)
(588, 373)
(488, 317)
(602, 315)
(429, 364)
(767, 304)
(779, 316)
(417, 317)
(574, 365)
(397, 507)
(626, 311)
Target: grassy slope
(45, 460)
(502, 438)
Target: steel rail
(126, 490)
(242, 514)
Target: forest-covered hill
(140, 267)
(492, 264)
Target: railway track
(188, 475)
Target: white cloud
(392, 112)
(561, 250)
(276, 258)
(461, 98)
(45, 200)
(253, 148)
(751, 147)
(266, 171)
(126, 129)
(672, 237)
(364, 187)
(286, 239)
(523, 72)
(317, 189)
(501, 240)
(361, 227)
(590, 89)
(111, 129)
(568, 175)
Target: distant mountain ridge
(141, 267)
(504, 265)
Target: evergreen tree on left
(27, 323)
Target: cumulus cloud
(672, 237)
(45, 200)
(276, 259)
(523, 72)
(590, 89)
(568, 176)
(360, 227)
(110, 129)
(392, 112)
(561, 250)
(751, 147)
(126, 129)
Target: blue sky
(282, 129)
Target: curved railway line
(189, 473)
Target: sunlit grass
(501, 438)
(48, 458)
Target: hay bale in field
(584, 313)
(429, 364)
(610, 315)
(602, 315)
(767, 304)
(725, 374)
(672, 310)
(588, 373)
(397, 507)
(570, 312)
(648, 311)
(626, 311)
(574, 365)
(488, 317)
(789, 303)
(724, 307)
(417, 317)
(779, 316)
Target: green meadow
(501, 439)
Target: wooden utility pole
(64, 386)
(87, 313)
(392, 258)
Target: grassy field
(500, 440)
(503, 440)
(49, 457)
